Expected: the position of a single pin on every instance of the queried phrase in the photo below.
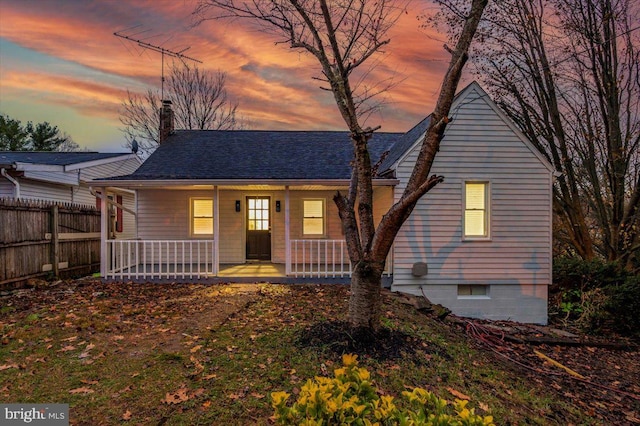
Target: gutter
(118, 205)
(142, 183)
(15, 183)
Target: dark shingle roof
(54, 158)
(403, 144)
(244, 154)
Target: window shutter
(119, 215)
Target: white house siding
(6, 188)
(516, 262)
(60, 177)
(164, 214)
(115, 168)
(45, 191)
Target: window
(257, 213)
(476, 211)
(313, 217)
(201, 216)
(473, 290)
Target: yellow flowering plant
(350, 398)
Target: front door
(258, 228)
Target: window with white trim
(313, 217)
(476, 210)
(201, 216)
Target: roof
(404, 144)
(54, 158)
(256, 154)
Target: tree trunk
(365, 300)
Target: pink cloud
(272, 83)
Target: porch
(189, 260)
(202, 232)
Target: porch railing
(134, 259)
(322, 259)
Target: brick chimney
(166, 121)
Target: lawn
(192, 354)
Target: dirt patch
(382, 345)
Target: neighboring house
(64, 177)
(479, 243)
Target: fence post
(55, 247)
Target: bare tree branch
(199, 99)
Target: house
(212, 203)
(64, 177)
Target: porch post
(216, 230)
(287, 233)
(104, 232)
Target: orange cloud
(272, 83)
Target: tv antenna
(172, 53)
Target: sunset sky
(61, 63)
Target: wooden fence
(46, 239)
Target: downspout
(15, 183)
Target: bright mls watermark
(34, 414)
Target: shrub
(623, 305)
(596, 294)
(351, 399)
(572, 273)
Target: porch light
(278, 206)
(238, 206)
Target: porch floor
(253, 269)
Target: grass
(202, 355)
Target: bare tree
(568, 73)
(342, 35)
(199, 99)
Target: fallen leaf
(89, 382)
(90, 346)
(199, 368)
(196, 349)
(118, 337)
(257, 395)
(206, 404)
(176, 398)
(69, 339)
(484, 407)
(127, 415)
(458, 395)
(81, 390)
(8, 366)
(210, 376)
(67, 348)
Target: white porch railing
(160, 259)
(322, 259)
